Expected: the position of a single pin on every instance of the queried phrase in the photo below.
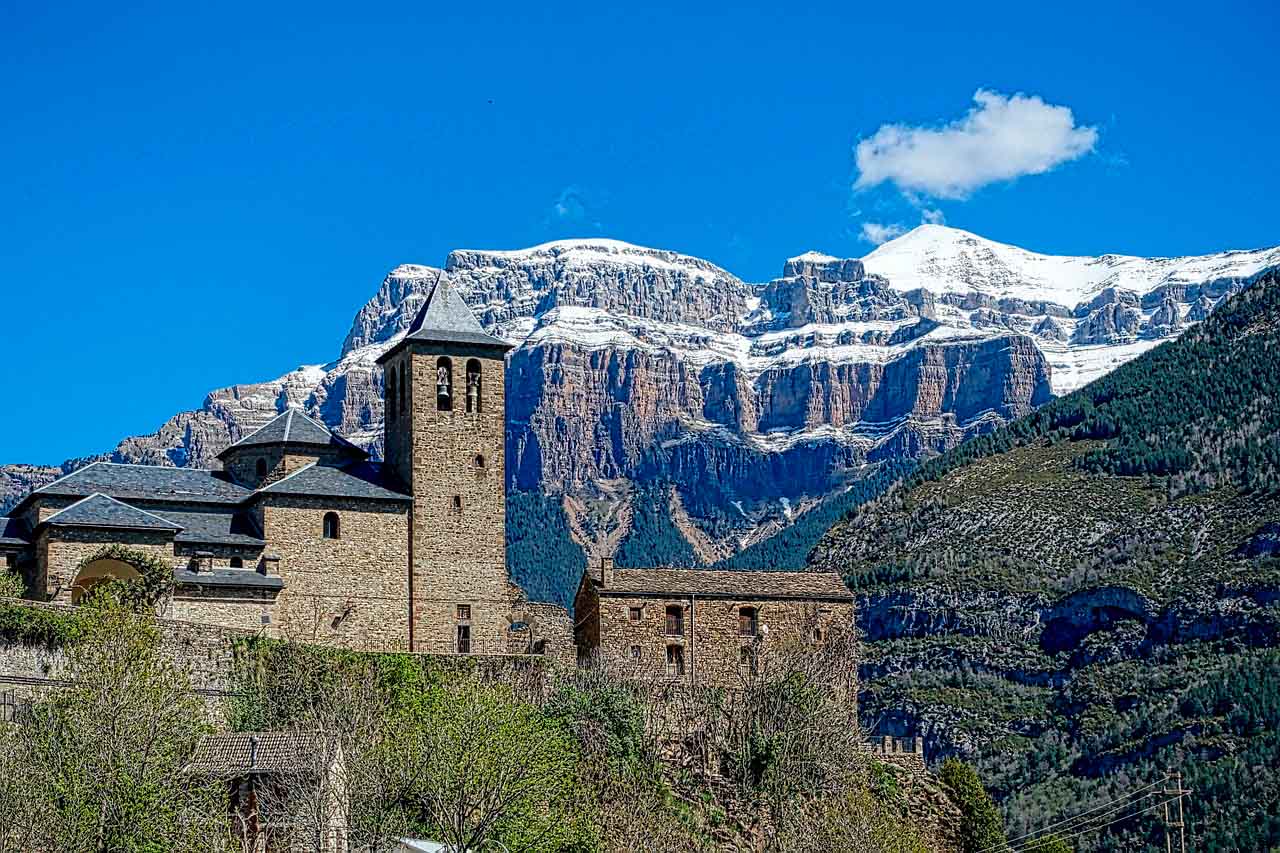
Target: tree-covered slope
(1089, 598)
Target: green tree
(981, 828)
(99, 765)
(496, 769)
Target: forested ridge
(1089, 598)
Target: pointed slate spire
(445, 318)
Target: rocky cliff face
(638, 363)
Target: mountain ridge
(638, 363)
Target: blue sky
(197, 196)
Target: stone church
(303, 536)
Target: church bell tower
(445, 439)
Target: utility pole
(1169, 823)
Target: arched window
(404, 389)
(332, 529)
(473, 385)
(261, 467)
(444, 385)
(391, 394)
(479, 461)
(237, 563)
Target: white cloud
(933, 216)
(999, 139)
(876, 233)
(573, 206)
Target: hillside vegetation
(1089, 598)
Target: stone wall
(247, 609)
(61, 550)
(207, 652)
(905, 752)
(281, 460)
(351, 591)
(711, 641)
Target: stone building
(286, 791)
(301, 535)
(704, 627)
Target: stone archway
(99, 571)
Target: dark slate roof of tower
(215, 528)
(445, 318)
(13, 532)
(99, 510)
(733, 584)
(225, 578)
(146, 482)
(293, 427)
(358, 480)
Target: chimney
(270, 565)
(606, 571)
(202, 562)
(253, 751)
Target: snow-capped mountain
(751, 400)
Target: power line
(1030, 845)
(1075, 818)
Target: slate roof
(146, 482)
(357, 480)
(445, 318)
(293, 427)
(745, 584)
(239, 578)
(238, 754)
(13, 532)
(99, 510)
(214, 528)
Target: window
(747, 618)
(675, 621)
(479, 461)
(817, 635)
(464, 612)
(391, 394)
(635, 653)
(457, 504)
(331, 527)
(473, 385)
(261, 467)
(675, 660)
(464, 639)
(237, 563)
(635, 613)
(747, 659)
(444, 385)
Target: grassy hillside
(1089, 598)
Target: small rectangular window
(675, 660)
(675, 621)
(635, 614)
(464, 639)
(635, 653)
(464, 612)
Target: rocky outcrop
(635, 363)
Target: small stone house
(300, 534)
(703, 627)
(286, 791)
